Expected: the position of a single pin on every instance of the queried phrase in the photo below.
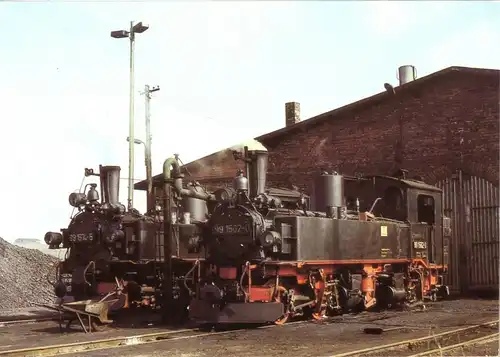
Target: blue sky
(225, 70)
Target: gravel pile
(23, 277)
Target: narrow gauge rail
(480, 340)
(122, 341)
(447, 340)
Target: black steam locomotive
(368, 242)
(256, 254)
(113, 256)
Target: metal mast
(147, 145)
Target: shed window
(425, 209)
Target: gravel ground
(23, 277)
(338, 335)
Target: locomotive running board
(91, 309)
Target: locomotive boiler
(367, 242)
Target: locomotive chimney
(257, 171)
(292, 113)
(406, 73)
(110, 183)
(255, 155)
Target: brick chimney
(292, 113)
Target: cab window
(393, 206)
(425, 209)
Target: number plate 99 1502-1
(81, 237)
(230, 229)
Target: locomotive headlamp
(53, 239)
(77, 199)
(269, 238)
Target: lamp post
(130, 34)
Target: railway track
(116, 342)
(434, 344)
(439, 351)
(24, 320)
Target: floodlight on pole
(130, 34)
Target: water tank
(197, 208)
(407, 73)
(328, 191)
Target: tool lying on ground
(380, 330)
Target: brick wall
(449, 122)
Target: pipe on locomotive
(173, 179)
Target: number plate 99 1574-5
(81, 237)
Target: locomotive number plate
(420, 245)
(81, 237)
(230, 229)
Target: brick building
(443, 127)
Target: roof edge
(376, 97)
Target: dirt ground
(322, 339)
(484, 349)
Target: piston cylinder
(389, 295)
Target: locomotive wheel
(282, 297)
(319, 315)
(433, 296)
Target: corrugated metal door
(482, 217)
(473, 205)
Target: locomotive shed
(442, 127)
(337, 335)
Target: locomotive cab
(411, 201)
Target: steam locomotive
(115, 259)
(365, 243)
(113, 256)
(253, 254)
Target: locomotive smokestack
(256, 156)
(257, 171)
(110, 183)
